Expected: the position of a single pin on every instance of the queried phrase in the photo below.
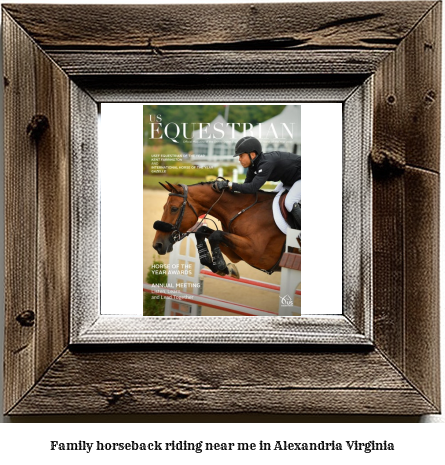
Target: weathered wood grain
(85, 211)
(218, 87)
(275, 25)
(20, 213)
(422, 325)
(388, 268)
(53, 224)
(357, 209)
(303, 44)
(407, 114)
(81, 62)
(88, 327)
(388, 202)
(406, 241)
(423, 91)
(98, 39)
(222, 382)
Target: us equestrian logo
(286, 301)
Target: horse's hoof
(233, 271)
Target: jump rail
(247, 282)
(206, 301)
(194, 301)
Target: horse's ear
(172, 187)
(165, 187)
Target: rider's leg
(293, 203)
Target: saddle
(286, 215)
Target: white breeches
(294, 196)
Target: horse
(249, 232)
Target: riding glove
(221, 185)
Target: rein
(242, 211)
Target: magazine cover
(222, 191)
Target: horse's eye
(174, 209)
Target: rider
(271, 166)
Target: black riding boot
(296, 214)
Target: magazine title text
(173, 131)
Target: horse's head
(177, 217)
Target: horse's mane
(202, 183)
(268, 194)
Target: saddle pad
(277, 216)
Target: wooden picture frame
(56, 72)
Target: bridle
(176, 235)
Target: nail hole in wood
(26, 318)
(37, 126)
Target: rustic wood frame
(90, 323)
(97, 53)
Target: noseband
(176, 234)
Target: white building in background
(216, 144)
(287, 126)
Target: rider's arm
(250, 187)
(249, 175)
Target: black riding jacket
(271, 166)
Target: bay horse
(248, 233)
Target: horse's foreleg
(218, 260)
(216, 239)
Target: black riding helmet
(248, 144)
